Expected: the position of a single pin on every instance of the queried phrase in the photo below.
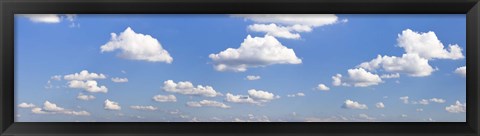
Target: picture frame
(10, 7)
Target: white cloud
(437, 100)
(295, 95)
(84, 75)
(52, 108)
(427, 45)
(187, 88)
(288, 32)
(396, 75)
(252, 77)
(119, 80)
(419, 109)
(89, 86)
(380, 105)
(26, 105)
(56, 77)
(261, 95)
(146, 108)
(349, 104)
(254, 52)
(111, 105)
(458, 107)
(405, 99)
(365, 117)
(208, 103)
(404, 115)
(85, 97)
(410, 64)
(43, 18)
(358, 77)
(461, 71)
(137, 46)
(165, 98)
(423, 102)
(323, 87)
(314, 20)
(239, 99)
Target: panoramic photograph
(240, 67)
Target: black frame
(10, 7)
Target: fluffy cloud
(349, 104)
(85, 97)
(323, 87)
(119, 80)
(251, 77)
(165, 98)
(56, 77)
(427, 45)
(89, 86)
(239, 99)
(461, 71)
(437, 100)
(146, 108)
(380, 105)
(404, 99)
(314, 20)
(208, 103)
(288, 32)
(137, 46)
(262, 95)
(295, 95)
(358, 77)
(26, 105)
(187, 88)
(52, 108)
(111, 105)
(410, 64)
(84, 75)
(254, 52)
(396, 75)
(458, 107)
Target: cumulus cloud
(137, 46)
(462, 71)
(209, 103)
(288, 32)
(52, 108)
(396, 75)
(165, 98)
(380, 105)
(410, 64)
(323, 87)
(254, 52)
(26, 105)
(427, 45)
(358, 77)
(252, 77)
(84, 75)
(187, 88)
(239, 99)
(295, 95)
(437, 100)
(84, 97)
(262, 95)
(56, 77)
(145, 108)
(89, 86)
(111, 105)
(458, 107)
(119, 80)
(349, 104)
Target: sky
(240, 68)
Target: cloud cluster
(323, 87)
(137, 46)
(253, 97)
(111, 105)
(207, 103)
(119, 80)
(145, 108)
(380, 105)
(288, 25)
(26, 105)
(349, 104)
(458, 107)
(254, 52)
(187, 88)
(406, 100)
(86, 81)
(462, 71)
(84, 97)
(84, 75)
(252, 77)
(296, 95)
(165, 98)
(52, 108)
(358, 77)
(49, 18)
(427, 45)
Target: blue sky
(308, 50)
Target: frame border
(10, 7)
